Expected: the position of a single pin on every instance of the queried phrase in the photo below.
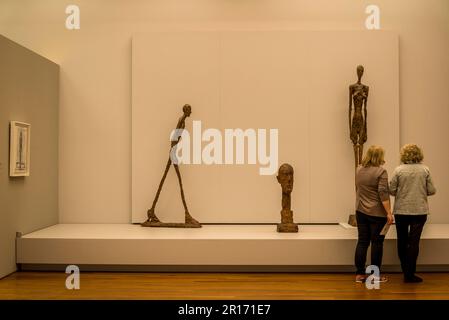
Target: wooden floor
(167, 286)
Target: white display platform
(314, 248)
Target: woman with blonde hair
(411, 184)
(373, 210)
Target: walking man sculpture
(153, 220)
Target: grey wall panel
(29, 92)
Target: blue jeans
(369, 228)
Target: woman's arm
(387, 207)
(394, 184)
(430, 187)
(382, 187)
(384, 194)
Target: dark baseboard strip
(215, 268)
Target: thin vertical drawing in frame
(19, 149)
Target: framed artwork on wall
(19, 149)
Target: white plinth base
(213, 245)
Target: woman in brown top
(373, 210)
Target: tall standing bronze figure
(153, 220)
(358, 96)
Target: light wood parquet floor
(234, 286)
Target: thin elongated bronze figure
(153, 220)
(358, 98)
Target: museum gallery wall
(96, 95)
(29, 92)
(293, 81)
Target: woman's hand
(390, 218)
(387, 207)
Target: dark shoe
(413, 279)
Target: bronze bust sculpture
(358, 95)
(153, 220)
(285, 178)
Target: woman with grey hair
(411, 184)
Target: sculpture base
(352, 221)
(170, 225)
(287, 227)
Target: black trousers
(409, 229)
(369, 228)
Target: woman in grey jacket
(411, 184)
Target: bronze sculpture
(358, 94)
(285, 178)
(153, 220)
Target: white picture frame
(19, 149)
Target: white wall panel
(294, 81)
